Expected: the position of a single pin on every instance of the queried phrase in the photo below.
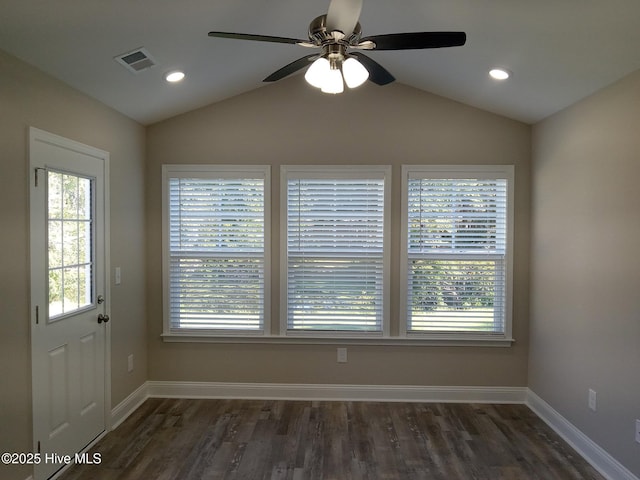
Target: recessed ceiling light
(499, 73)
(174, 77)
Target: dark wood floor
(243, 439)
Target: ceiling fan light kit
(333, 69)
(337, 32)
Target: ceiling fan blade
(377, 73)
(291, 68)
(343, 15)
(417, 40)
(257, 38)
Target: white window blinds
(216, 250)
(457, 247)
(335, 251)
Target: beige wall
(289, 123)
(30, 98)
(585, 304)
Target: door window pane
(70, 242)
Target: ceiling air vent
(136, 60)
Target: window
(456, 251)
(70, 235)
(334, 261)
(216, 236)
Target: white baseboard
(275, 391)
(369, 393)
(129, 405)
(599, 459)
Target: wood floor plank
(178, 439)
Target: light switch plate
(592, 399)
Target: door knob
(103, 318)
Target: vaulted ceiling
(559, 51)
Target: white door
(69, 318)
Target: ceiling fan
(338, 35)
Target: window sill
(409, 341)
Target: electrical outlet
(637, 430)
(342, 355)
(130, 363)
(592, 399)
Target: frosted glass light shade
(318, 72)
(354, 73)
(333, 82)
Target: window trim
(339, 172)
(458, 171)
(215, 171)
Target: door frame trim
(37, 135)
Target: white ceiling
(558, 50)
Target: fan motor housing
(319, 34)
